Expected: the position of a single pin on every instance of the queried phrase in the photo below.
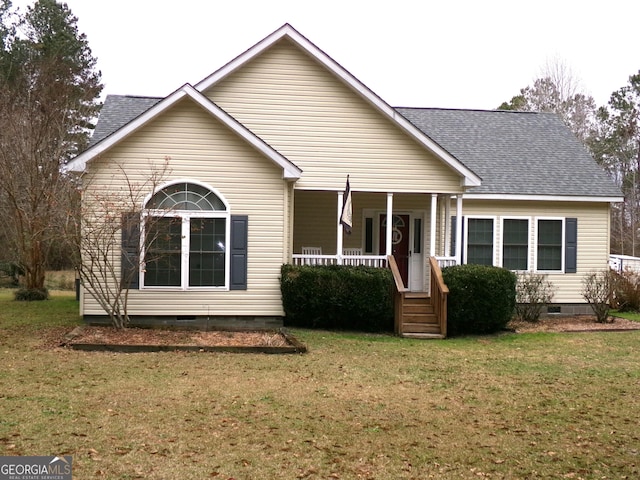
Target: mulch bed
(148, 339)
(577, 323)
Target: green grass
(635, 316)
(356, 406)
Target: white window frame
(465, 240)
(529, 242)
(186, 216)
(535, 245)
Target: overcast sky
(454, 54)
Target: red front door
(399, 243)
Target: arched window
(186, 234)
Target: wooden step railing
(439, 294)
(418, 314)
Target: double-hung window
(550, 244)
(515, 243)
(186, 234)
(479, 240)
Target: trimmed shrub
(481, 298)
(337, 297)
(31, 294)
(533, 293)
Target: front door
(399, 243)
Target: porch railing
(439, 293)
(446, 261)
(377, 261)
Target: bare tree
(616, 146)
(48, 96)
(109, 242)
(558, 90)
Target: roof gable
(78, 164)
(470, 178)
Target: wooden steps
(418, 319)
(416, 314)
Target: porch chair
(351, 251)
(312, 251)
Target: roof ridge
(474, 110)
(151, 97)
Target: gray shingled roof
(520, 153)
(117, 111)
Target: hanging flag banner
(346, 219)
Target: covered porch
(413, 234)
(411, 227)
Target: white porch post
(459, 228)
(434, 214)
(389, 223)
(340, 229)
(447, 226)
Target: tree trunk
(35, 274)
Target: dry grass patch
(355, 407)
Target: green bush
(31, 294)
(481, 299)
(11, 270)
(337, 297)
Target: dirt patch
(149, 339)
(578, 323)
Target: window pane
(480, 241)
(549, 245)
(207, 252)
(368, 235)
(454, 225)
(163, 242)
(515, 244)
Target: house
(259, 153)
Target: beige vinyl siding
(324, 127)
(593, 236)
(198, 147)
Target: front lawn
(357, 406)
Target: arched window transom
(185, 196)
(186, 234)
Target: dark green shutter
(130, 266)
(571, 245)
(239, 241)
